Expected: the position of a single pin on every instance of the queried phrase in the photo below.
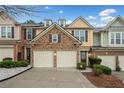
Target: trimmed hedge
(106, 70)
(81, 66)
(7, 58)
(12, 64)
(94, 60)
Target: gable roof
(81, 18)
(117, 18)
(10, 17)
(49, 28)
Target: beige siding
(79, 24)
(90, 37)
(6, 21)
(96, 39)
(38, 31)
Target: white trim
(6, 31)
(49, 28)
(54, 38)
(116, 45)
(27, 33)
(79, 32)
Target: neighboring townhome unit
(54, 44)
(9, 37)
(108, 43)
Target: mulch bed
(104, 81)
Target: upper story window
(80, 34)
(29, 33)
(54, 38)
(6, 32)
(117, 38)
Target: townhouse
(57, 44)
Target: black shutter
(50, 38)
(25, 33)
(12, 32)
(73, 33)
(59, 38)
(34, 32)
(86, 36)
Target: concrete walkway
(119, 75)
(48, 78)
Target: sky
(97, 16)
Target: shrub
(94, 60)
(106, 70)
(81, 66)
(118, 68)
(97, 70)
(24, 64)
(7, 64)
(12, 64)
(7, 58)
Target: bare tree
(16, 10)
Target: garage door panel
(108, 61)
(121, 62)
(66, 59)
(6, 52)
(43, 59)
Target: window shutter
(86, 36)
(34, 33)
(25, 33)
(73, 33)
(12, 32)
(50, 38)
(59, 38)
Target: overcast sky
(96, 15)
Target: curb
(15, 74)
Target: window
(122, 38)
(83, 56)
(54, 38)
(112, 38)
(80, 34)
(6, 32)
(29, 33)
(117, 38)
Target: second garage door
(43, 59)
(121, 62)
(108, 61)
(66, 58)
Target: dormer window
(47, 22)
(62, 22)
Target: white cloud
(93, 23)
(68, 21)
(91, 17)
(107, 12)
(60, 11)
(107, 19)
(47, 7)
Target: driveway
(48, 78)
(119, 75)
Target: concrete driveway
(48, 78)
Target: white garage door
(66, 59)
(43, 59)
(121, 62)
(108, 61)
(6, 52)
